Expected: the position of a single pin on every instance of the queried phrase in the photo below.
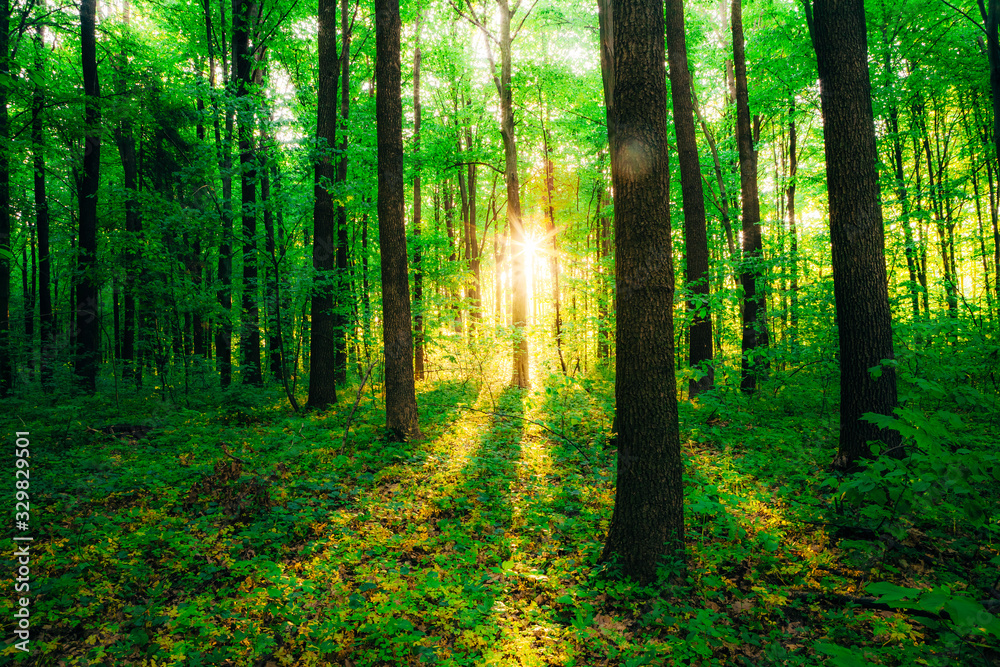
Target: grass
(241, 534)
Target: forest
(500, 332)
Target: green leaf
(841, 656)
(891, 592)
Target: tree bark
(695, 225)
(340, 320)
(87, 324)
(648, 519)
(223, 294)
(856, 234)
(244, 18)
(6, 348)
(519, 375)
(418, 274)
(754, 303)
(322, 357)
(397, 332)
(553, 232)
(45, 316)
(793, 232)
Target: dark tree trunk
(275, 365)
(475, 294)
(223, 294)
(244, 17)
(343, 284)
(911, 255)
(6, 349)
(397, 331)
(648, 519)
(793, 169)
(45, 318)
(695, 225)
(991, 20)
(323, 350)
(87, 324)
(553, 232)
(754, 304)
(125, 140)
(859, 274)
(418, 274)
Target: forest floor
(243, 534)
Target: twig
(226, 452)
(347, 427)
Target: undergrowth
(232, 532)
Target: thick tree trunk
(991, 20)
(695, 225)
(323, 350)
(87, 323)
(397, 332)
(856, 234)
(755, 336)
(648, 519)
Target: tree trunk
(856, 234)
(793, 170)
(87, 323)
(397, 332)
(244, 18)
(45, 317)
(418, 274)
(223, 294)
(695, 225)
(519, 376)
(322, 357)
(755, 338)
(340, 320)
(6, 348)
(991, 20)
(553, 232)
(275, 361)
(648, 519)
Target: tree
(42, 209)
(6, 350)
(754, 303)
(397, 332)
(342, 287)
(418, 276)
(648, 519)
(245, 16)
(223, 294)
(860, 284)
(322, 356)
(695, 230)
(519, 255)
(519, 376)
(87, 324)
